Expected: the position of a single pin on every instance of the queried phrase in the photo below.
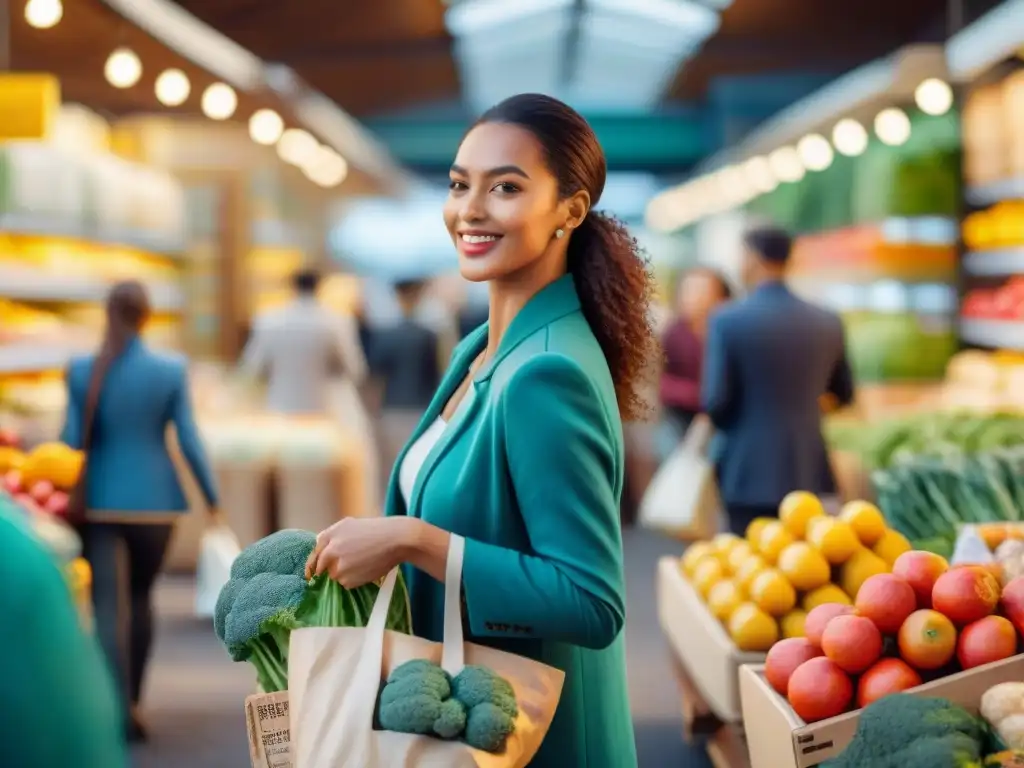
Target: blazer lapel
(457, 371)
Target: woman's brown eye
(456, 185)
(507, 188)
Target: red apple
(12, 482)
(57, 504)
(1013, 602)
(9, 438)
(42, 490)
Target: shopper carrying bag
(335, 676)
(682, 499)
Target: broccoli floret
(902, 729)
(488, 727)
(491, 705)
(417, 699)
(267, 597)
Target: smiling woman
(521, 451)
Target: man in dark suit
(769, 360)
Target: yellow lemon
(739, 555)
(752, 566)
(829, 593)
(835, 539)
(708, 572)
(804, 566)
(792, 624)
(798, 509)
(724, 598)
(724, 542)
(866, 520)
(772, 593)
(693, 555)
(774, 539)
(863, 565)
(752, 629)
(755, 528)
(891, 546)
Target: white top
(416, 456)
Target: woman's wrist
(424, 546)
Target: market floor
(194, 695)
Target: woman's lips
(477, 245)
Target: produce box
(267, 721)
(783, 740)
(708, 655)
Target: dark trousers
(122, 595)
(741, 515)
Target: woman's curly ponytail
(611, 272)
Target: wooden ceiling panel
(390, 54)
(758, 36)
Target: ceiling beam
(323, 54)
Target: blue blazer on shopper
(767, 361)
(130, 468)
(530, 471)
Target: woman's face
(699, 294)
(503, 207)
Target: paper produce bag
(334, 677)
(267, 720)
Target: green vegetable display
(268, 597)
(476, 705)
(929, 498)
(903, 730)
(934, 434)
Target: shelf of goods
(71, 225)
(992, 309)
(810, 618)
(893, 285)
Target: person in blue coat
(521, 449)
(120, 404)
(769, 361)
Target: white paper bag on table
(334, 677)
(217, 551)
(682, 499)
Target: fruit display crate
(784, 740)
(703, 648)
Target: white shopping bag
(217, 552)
(682, 498)
(335, 675)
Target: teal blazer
(130, 468)
(62, 709)
(530, 471)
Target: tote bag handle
(453, 653)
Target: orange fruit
(755, 528)
(891, 546)
(797, 510)
(738, 555)
(793, 623)
(693, 555)
(835, 539)
(774, 538)
(752, 629)
(771, 592)
(829, 593)
(724, 598)
(862, 566)
(752, 566)
(804, 566)
(708, 573)
(865, 519)
(966, 594)
(927, 640)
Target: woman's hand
(360, 550)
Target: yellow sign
(29, 103)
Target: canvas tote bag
(682, 498)
(334, 678)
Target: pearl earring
(559, 233)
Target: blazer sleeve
(564, 468)
(71, 433)
(718, 382)
(55, 665)
(189, 439)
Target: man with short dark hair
(768, 361)
(300, 348)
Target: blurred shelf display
(995, 334)
(995, 263)
(73, 223)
